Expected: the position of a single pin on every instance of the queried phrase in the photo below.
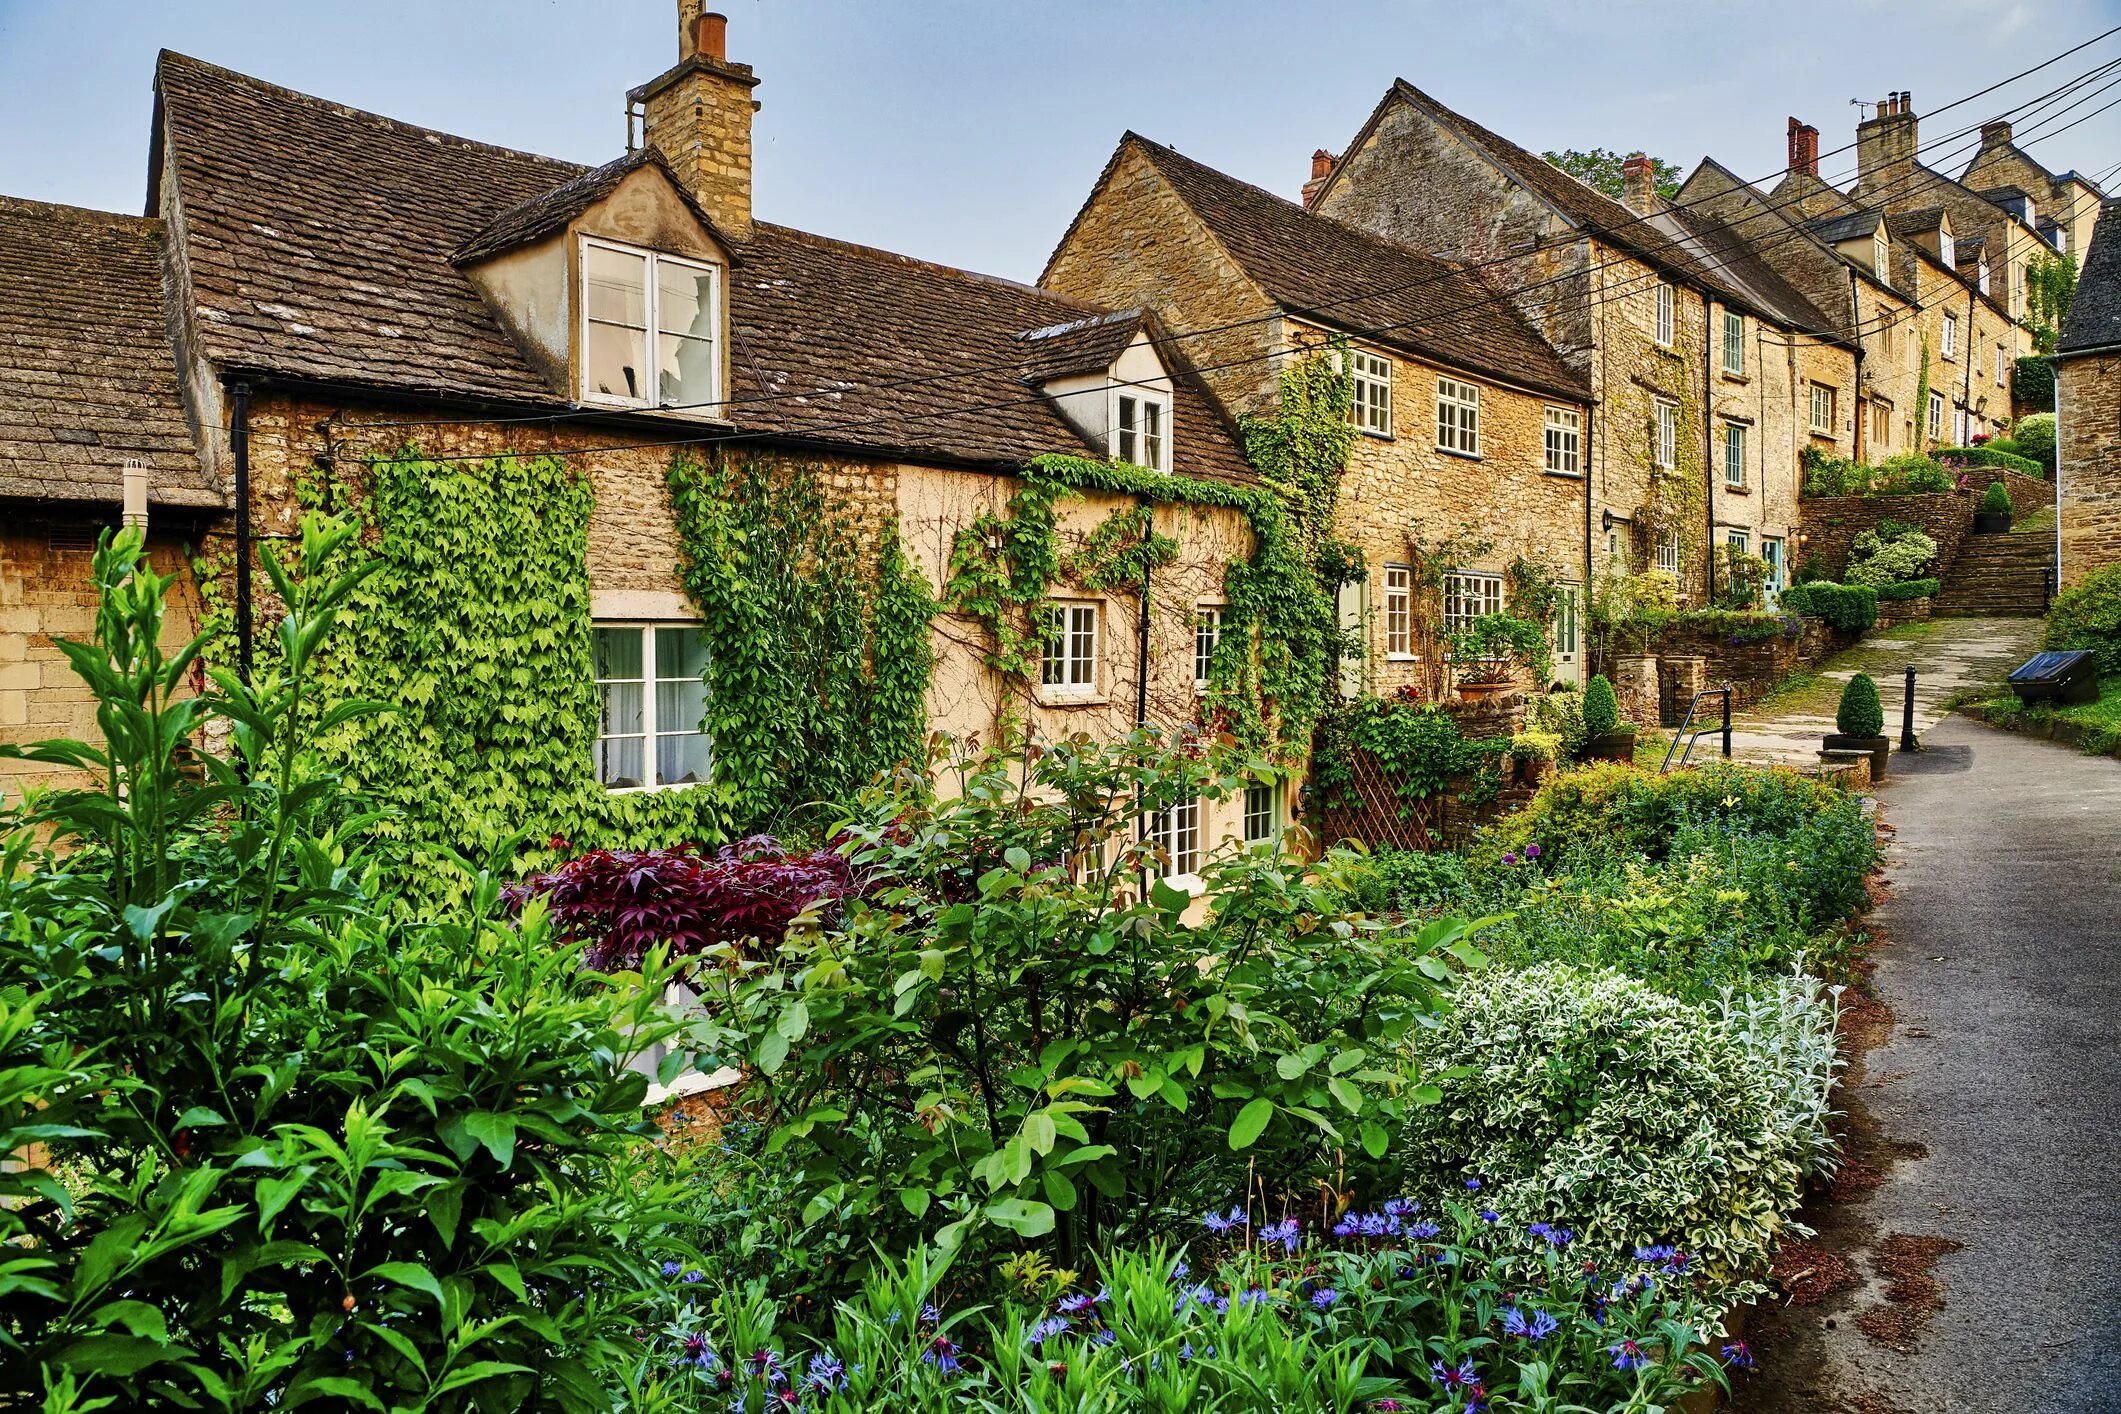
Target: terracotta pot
(1478, 691)
(1879, 747)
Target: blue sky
(968, 131)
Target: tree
(1601, 169)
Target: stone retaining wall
(1832, 523)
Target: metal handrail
(1724, 693)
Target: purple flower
(1531, 851)
(1628, 1356)
(694, 1350)
(1535, 1328)
(1400, 1207)
(1509, 859)
(1219, 1223)
(1286, 1232)
(1463, 1377)
(693, 1278)
(1423, 1231)
(1252, 1296)
(1323, 1297)
(1049, 1328)
(1346, 1227)
(931, 1316)
(671, 1269)
(1077, 1303)
(826, 1372)
(1739, 1354)
(765, 1364)
(942, 1353)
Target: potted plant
(1993, 515)
(1605, 736)
(1860, 724)
(1486, 652)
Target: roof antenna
(1861, 104)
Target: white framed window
(1668, 551)
(1207, 633)
(1141, 430)
(2001, 358)
(1824, 396)
(1370, 408)
(1399, 611)
(1565, 441)
(1740, 541)
(1667, 314)
(651, 681)
(1946, 252)
(1457, 417)
(1949, 346)
(1176, 832)
(1959, 427)
(1981, 277)
(650, 328)
(1878, 251)
(1733, 342)
(1666, 453)
(1734, 454)
(1467, 595)
(1068, 664)
(1262, 811)
(1936, 414)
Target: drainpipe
(239, 449)
(2055, 365)
(1966, 387)
(1856, 333)
(1590, 445)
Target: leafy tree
(1600, 168)
(2050, 285)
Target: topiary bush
(2088, 615)
(1850, 608)
(1588, 1100)
(1860, 713)
(2033, 382)
(2001, 453)
(2035, 435)
(1601, 708)
(1996, 501)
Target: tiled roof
(1836, 229)
(87, 379)
(1739, 265)
(1901, 224)
(2095, 313)
(551, 211)
(321, 241)
(1082, 345)
(1376, 288)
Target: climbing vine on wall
(1922, 398)
(1675, 506)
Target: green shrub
(1601, 708)
(1589, 1100)
(1889, 554)
(1860, 713)
(1850, 608)
(1907, 589)
(1910, 474)
(2033, 382)
(2088, 615)
(2003, 453)
(2035, 435)
(1560, 714)
(1996, 501)
(1391, 881)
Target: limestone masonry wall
(2088, 429)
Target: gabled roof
(87, 377)
(322, 242)
(550, 211)
(2095, 313)
(1902, 224)
(1376, 289)
(1740, 265)
(1086, 345)
(1836, 229)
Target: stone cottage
(2088, 410)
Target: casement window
(1565, 441)
(652, 705)
(1399, 611)
(1371, 406)
(1068, 665)
(1981, 277)
(1207, 633)
(1262, 812)
(1141, 431)
(1457, 417)
(1667, 315)
(1823, 399)
(1666, 453)
(1734, 455)
(1740, 541)
(1733, 342)
(1878, 252)
(1936, 415)
(1668, 551)
(1949, 346)
(1946, 252)
(1468, 595)
(1176, 832)
(2001, 358)
(650, 328)
(1882, 423)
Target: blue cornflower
(1180, 1271)
(1049, 1328)
(1628, 1356)
(1345, 1227)
(1323, 1297)
(693, 1278)
(1076, 1303)
(736, 1406)
(1423, 1231)
(1739, 1354)
(694, 1350)
(1472, 1185)
(1286, 1232)
(1462, 1377)
(1375, 1224)
(826, 1372)
(1105, 1336)
(1556, 1237)
(1489, 1215)
(1185, 1352)
(1535, 1328)
(1252, 1296)
(1400, 1207)
(1202, 1295)
(1220, 1223)
(765, 1364)
(929, 1315)
(671, 1269)
(942, 1353)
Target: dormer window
(1981, 276)
(1878, 251)
(650, 329)
(1141, 430)
(1944, 249)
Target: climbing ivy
(1922, 398)
(1675, 502)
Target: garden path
(1948, 654)
(1978, 1212)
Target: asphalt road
(2004, 1063)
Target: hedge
(1851, 608)
(1989, 456)
(2033, 383)
(1907, 589)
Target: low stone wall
(1832, 523)
(1901, 611)
(1689, 660)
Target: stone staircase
(1998, 576)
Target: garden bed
(2094, 728)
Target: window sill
(1462, 456)
(1374, 434)
(656, 789)
(591, 403)
(1730, 377)
(1730, 490)
(1402, 658)
(1563, 475)
(1668, 350)
(1073, 699)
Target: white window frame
(1936, 415)
(1948, 341)
(1262, 811)
(1878, 251)
(1468, 594)
(1207, 637)
(1665, 454)
(652, 335)
(1141, 423)
(1564, 441)
(1734, 437)
(1824, 396)
(1176, 830)
(1734, 343)
(651, 731)
(1370, 400)
(1947, 252)
(1457, 416)
(1981, 276)
(2001, 359)
(1666, 552)
(1399, 611)
(1667, 314)
(1740, 541)
(1070, 651)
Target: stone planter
(1615, 745)
(1878, 746)
(1992, 522)
(1481, 691)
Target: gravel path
(1985, 1244)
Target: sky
(969, 131)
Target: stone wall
(2088, 432)
(1753, 669)
(1832, 523)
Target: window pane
(621, 711)
(684, 300)
(680, 706)
(681, 653)
(615, 362)
(618, 286)
(685, 370)
(681, 758)
(618, 653)
(619, 761)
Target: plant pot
(1616, 745)
(1878, 746)
(1992, 522)
(1479, 691)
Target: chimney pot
(1804, 148)
(1996, 133)
(1640, 178)
(134, 491)
(1321, 163)
(710, 37)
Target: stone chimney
(699, 115)
(1886, 144)
(1321, 168)
(1639, 177)
(1804, 149)
(1996, 133)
